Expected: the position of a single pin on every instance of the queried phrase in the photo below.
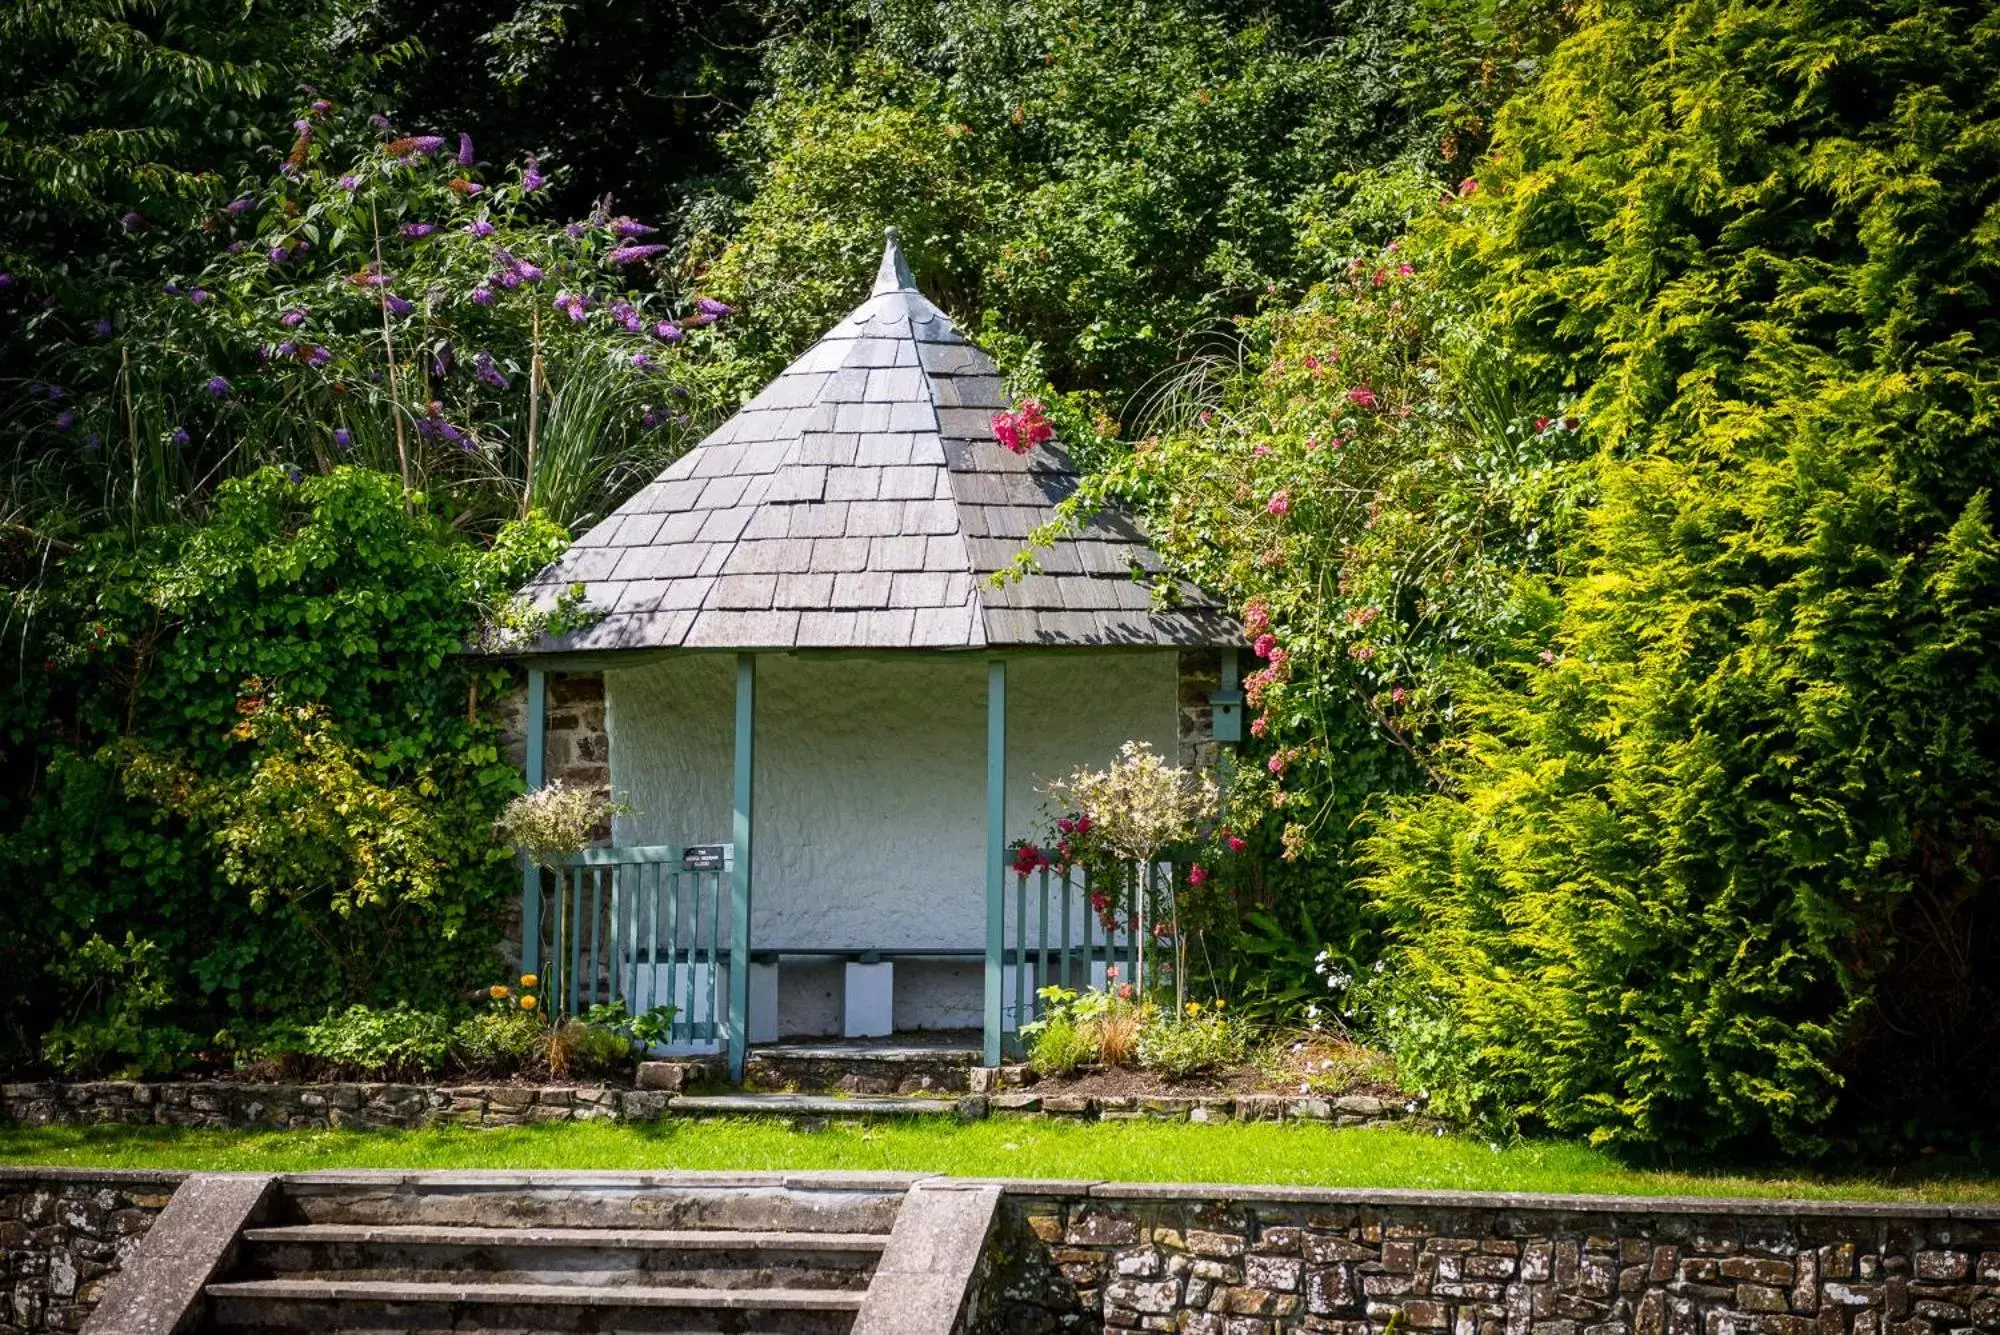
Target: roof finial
(894, 275)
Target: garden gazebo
(829, 721)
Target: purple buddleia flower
(709, 306)
(414, 230)
(531, 176)
(321, 105)
(103, 328)
(381, 122)
(198, 297)
(424, 145)
(293, 475)
(601, 216)
(633, 254)
(318, 357)
(242, 205)
(65, 420)
(172, 289)
(235, 248)
(441, 364)
(287, 348)
(652, 418)
(277, 254)
(54, 393)
(377, 279)
(304, 128)
(180, 436)
(627, 228)
(397, 306)
(132, 222)
(668, 332)
(292, 318)
(464, 149)
(530, 272)
(217, 387)
(488, 373)
(570, 304)
(506, 278)
(574, 231)
(641, 362)
(484, 296)
(350, 183)
(479, 227)
(288, 171)
(343, 437)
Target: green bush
(394, 1041)
(1715, 868)
(1194, 1043)
(1061, 1045)
(501, 1041)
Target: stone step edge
(629, 1239)
(812, 1105)
(536, 1295)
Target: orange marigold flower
(530, 980)
(528, 1003)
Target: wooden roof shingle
(861, 501)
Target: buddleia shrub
(1715, 869)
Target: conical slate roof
(861, 501)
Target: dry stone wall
(372, 1106)
(63, 1234)
(1126, 1258)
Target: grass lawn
(1128, 1151)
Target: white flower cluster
(553, 823)
(1141, 804)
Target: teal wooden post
(534, 729)
(739, 920)
(996, 853)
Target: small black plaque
(704, 857)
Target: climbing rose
(1280, 502)
(1361, 396)
(1197, 874)
(1024, 428)
(1236, 843)
(1256, 616)
(1259, 726)
(1265, 645)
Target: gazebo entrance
(831, 704)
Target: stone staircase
(696, 1254)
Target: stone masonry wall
(578, 747)
(1128, 1258)
(63, 1234)
(226, 1103)
(1200, 677)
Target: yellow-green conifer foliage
(1722, 872)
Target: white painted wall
(870, 793)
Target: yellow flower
(1194, 1008)
(497, 991)
(528, 1003)
(1220, 1003)
(530, 980)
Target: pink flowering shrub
(1024, 428)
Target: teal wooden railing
(636, 926)
(1056, 935)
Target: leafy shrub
(1199, 1039)
(501, 1041)
(1715, 867)
(1061, 1045)
(116, 1031)
(580, 1048)
(394, 1041)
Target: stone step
(808, 1106)
(360, 1307)
(857, 1203)
(868, 1067)
(708, 1258)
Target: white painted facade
(870, 794)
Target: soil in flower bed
(1303, 1063)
